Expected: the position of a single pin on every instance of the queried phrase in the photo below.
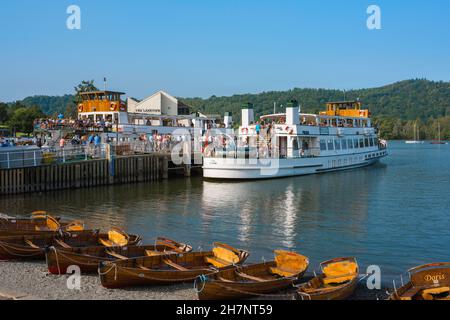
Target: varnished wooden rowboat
(427, 282)
(33, 246)
(253, 280)
(39, 223)
(338, 281)
(88, 258)
(169, 269)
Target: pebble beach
(31, 281)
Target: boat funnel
(292, 113)
(248, 116)
(228, 120)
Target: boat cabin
(101, 105)
(350, 109)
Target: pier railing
(23, 158)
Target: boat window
(330, 145)
(366, 142)
(374, 142)
(356, 143)
(371, 142)
(337, 144)
(361, 143)
(323, 145)
(344, 144)
(295, 144)
(350, 143)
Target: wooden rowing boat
(33, 246)
(338, 281)
(39, 223)
(169, 269)
(427, 282)
(88, 258)
(254, 280)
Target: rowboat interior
(286, 265)
(338, 281)
(254, 279)
(39, 222)
(33, 245)
(166, 269)
(221, 256)
(427, 282)
(88, 258)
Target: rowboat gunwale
(338, 292)
(216, 288)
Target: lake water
(395, 214)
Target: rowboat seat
(222, 257)
(51, 224)
(116, 238)
(249, 277)
(153, 253)
(31, 244)
(75, 226)
(62, 244)
(411, 293)
(339, 272)
(431, 294)
(116, 255)
(174, 265)
(289, 264)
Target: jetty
(36, 170)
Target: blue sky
(222, 47)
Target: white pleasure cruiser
(294, 143)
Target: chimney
(228, 120)
(293, 113)
(247, 115)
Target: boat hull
(88, 259)
(245, 169)
(341, 293)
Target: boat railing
(254, 152)
(22, 158)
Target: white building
(160, 103)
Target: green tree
(3, 112)
(23, 118)
(84, 86)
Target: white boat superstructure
(293, 143)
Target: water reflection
(394, 215)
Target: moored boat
(88, 258)
(169, 269)
(33, 246)
(294, 143)
(338, 281)
(255, 279)
(39, 223)
(427, 282)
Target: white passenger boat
(294, 143)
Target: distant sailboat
(416, 136)
(439, 141)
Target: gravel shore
(30, 280)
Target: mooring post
(187, 170)
(165, 168)
(111, 157)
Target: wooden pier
(85, 174)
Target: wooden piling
(90, 173)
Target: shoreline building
(159, 113)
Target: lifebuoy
(286, 129)
(80, 108)
(244, 130)
(123, 107)
(112, 107)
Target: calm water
(395, 214)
